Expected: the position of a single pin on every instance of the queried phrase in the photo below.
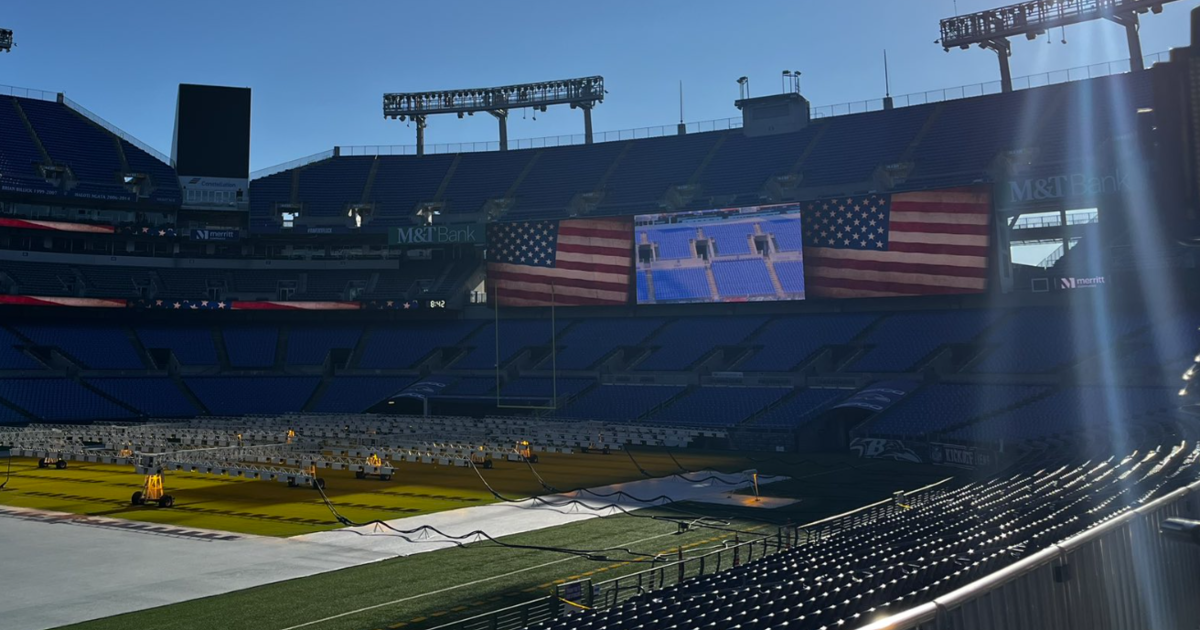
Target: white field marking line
(457, 586)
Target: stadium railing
(1121, 574)
(721, 124)
(584, 594)
(41, 95)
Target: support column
(1131, 24)
(1003, 50)
(587, 123)
(420, 123)
(502, 116)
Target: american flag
(580, 261)
(916, 243)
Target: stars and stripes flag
(916, 243)
(579, 261)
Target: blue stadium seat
(685, 283)
(310, 345)
(1072, 410)
(232, 395)
(11, 357)
(251, 347)
(60, 399)
(357, 394)
(191, 346)
(619, 402)
(592, 339)
(805, 406)
(790, 274)
(730, 239)
(903, 339)
(155, 397)
(787, 341)
(402, 347)
(97, 346)
(685, 341)
(718, 406)
(515, 335)
(942, 405)
(742, 278)
(673, 243)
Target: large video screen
(721, 255)
(212, 131)
(928, 242)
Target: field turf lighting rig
(583, 93)
(6, 39)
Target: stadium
(921, 362)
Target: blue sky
(318, 69)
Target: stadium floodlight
(991, 29)
(6, 39)
(582, 93)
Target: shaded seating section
(232, 395)
(790, 274)
(685, 341)
(94, 346)
(105, 281)
(788, 341)
(190, 345)
(653, 165)
(89, 150)
(60, 399)
(942, 405)
(743, 165)
(1169, 344)
(308, 345)
(483, 176)
(19, 156)
(643, 287)
(559, 175)
(403, 346)
(939, 543)
(469, 386)
(806, 405)
(356, 394)
(742, 278)
(544, 388)
(154, 397)
(251, 347)
(718, 406)
(11, 357)
(266, 194)
(619, 402)
(1102, 410)
(685, 283)
(903, 339)
(1043, 339)
(328, 187)
(166, 182)
(593, 339)
(515, 335)
(404, 181)
(854, 146)
(45, 279)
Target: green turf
(430, 589)
(271, 508)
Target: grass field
(430, 589)
(272, 509)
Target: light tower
(584, 93)
(6, 39)
(991, 29)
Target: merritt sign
(437, 235)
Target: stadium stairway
(177, 379)
(222, 352)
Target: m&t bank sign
(437, 235)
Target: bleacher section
(718, 406)
(1102, 410)
(619, 402)
(804, 406)
(251, 347)
(310, 345)
(355, 394)
(402, 347)
(902, 340)
(514, 336)
(154, 397)
(592, 339)
(231, 395)
(942, 405)
(190, 345)
(686, 341)
(964, 137)
(97, 347)
(742, 278)
(685, 283)
(19, 156)
(788, 341)
(59, 400)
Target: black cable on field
(637, 465)
(476, 535)
(8, 471)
